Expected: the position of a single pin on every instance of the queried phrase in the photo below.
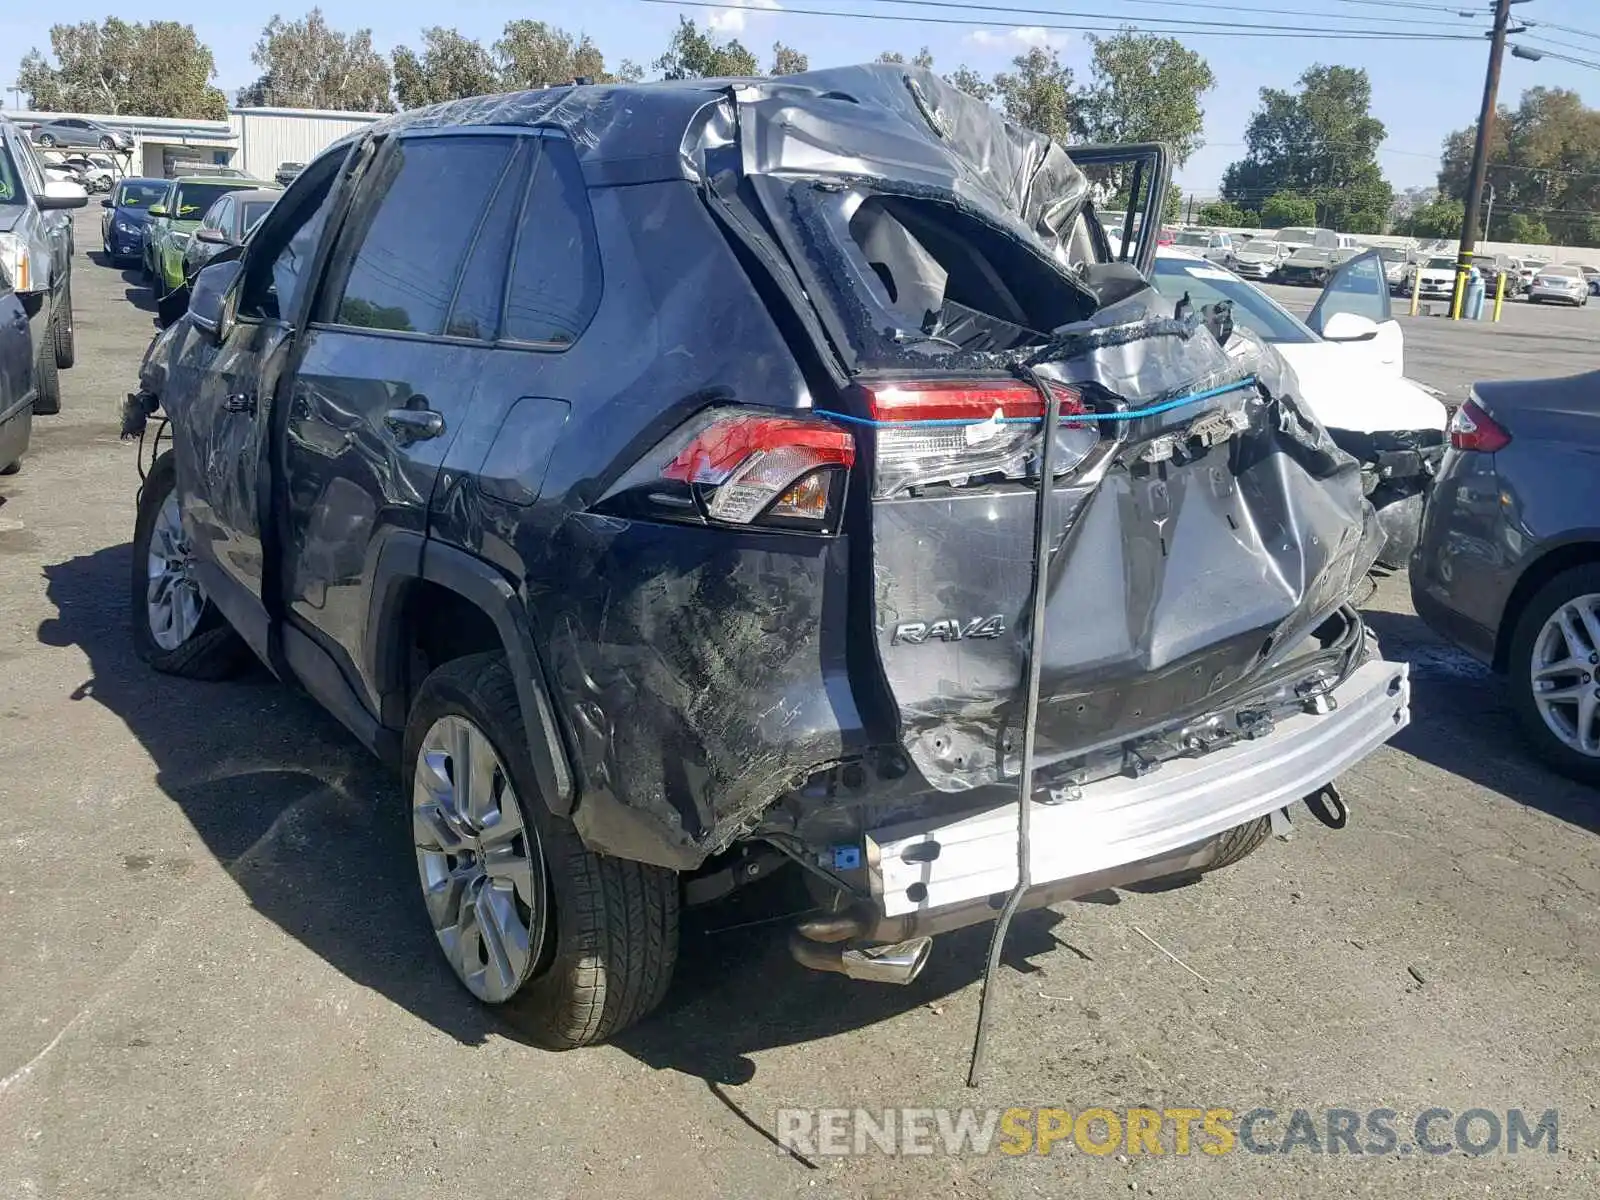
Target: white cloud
(1022, 38)
(733, 21)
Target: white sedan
(1349, 357)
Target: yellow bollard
(1499, 294)
(1461, 290)
(1416, 288)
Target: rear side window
(476, 311)
(555, 279)
(434, 192)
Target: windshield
(1389, 255)
(1441, 264)
(193, 199)
(1263, 248)
(1569, 272)
(1194, 239)
(254, 210)
(1299, 237)
(1252, 308)
(1311, 254)
(140, 195)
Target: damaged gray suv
(659, 497)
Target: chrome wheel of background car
(1566, 687)
(476, 859)
(174, 598)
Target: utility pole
(1480, 151)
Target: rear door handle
(413, 424)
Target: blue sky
(1421, 90)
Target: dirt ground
(216, 979)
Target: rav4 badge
(914, 633)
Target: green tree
(922, 58)
(450, 66)
(1320, 142)
(1544, 167)
(1225, 213)
(694, 54)
(1287, 208)
(786, 60)
(532, 54)
(1146, 89)
(1038, 93)
(965, 79)
(1519, 227)
(309, 64)
(158, 69)
(1441, 218)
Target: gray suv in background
(36, 252)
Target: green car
(173, 221)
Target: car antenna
(1030, 717)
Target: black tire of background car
(1241, 842)
(64, 332)
(615, 933)
(1578, 581)
(47, 396)
(46, 140)
(214, 650)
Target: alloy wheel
(479, 864)
(174, 598)
(1566, 674)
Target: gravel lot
(216, 980)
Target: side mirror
(106, 203)
(212, 297)
(1349, 327)
(157, 210)
(58, 193)
(215, 236)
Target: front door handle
(413, 424)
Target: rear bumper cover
(920, 867)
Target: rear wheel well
(1563, 558)
(437, 626)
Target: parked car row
(172, 227)
(36, 325)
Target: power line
(1234, 30)
(1188, 5)
(1583, 33)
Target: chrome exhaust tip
(894, 962)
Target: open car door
(1144, 169)
(1354, 310)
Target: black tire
(615, 921)
(213, 650)
(1240, 842)
(47, 397)
(46, 139)
(64, 332)
(107, 144)
(1578, 581)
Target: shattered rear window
(924, 273)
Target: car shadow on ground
(1457, 706)
(312, 830)
(136, 291)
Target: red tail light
(1474, 429)
(954, 433)
(743, 467)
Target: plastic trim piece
(1121, 820)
